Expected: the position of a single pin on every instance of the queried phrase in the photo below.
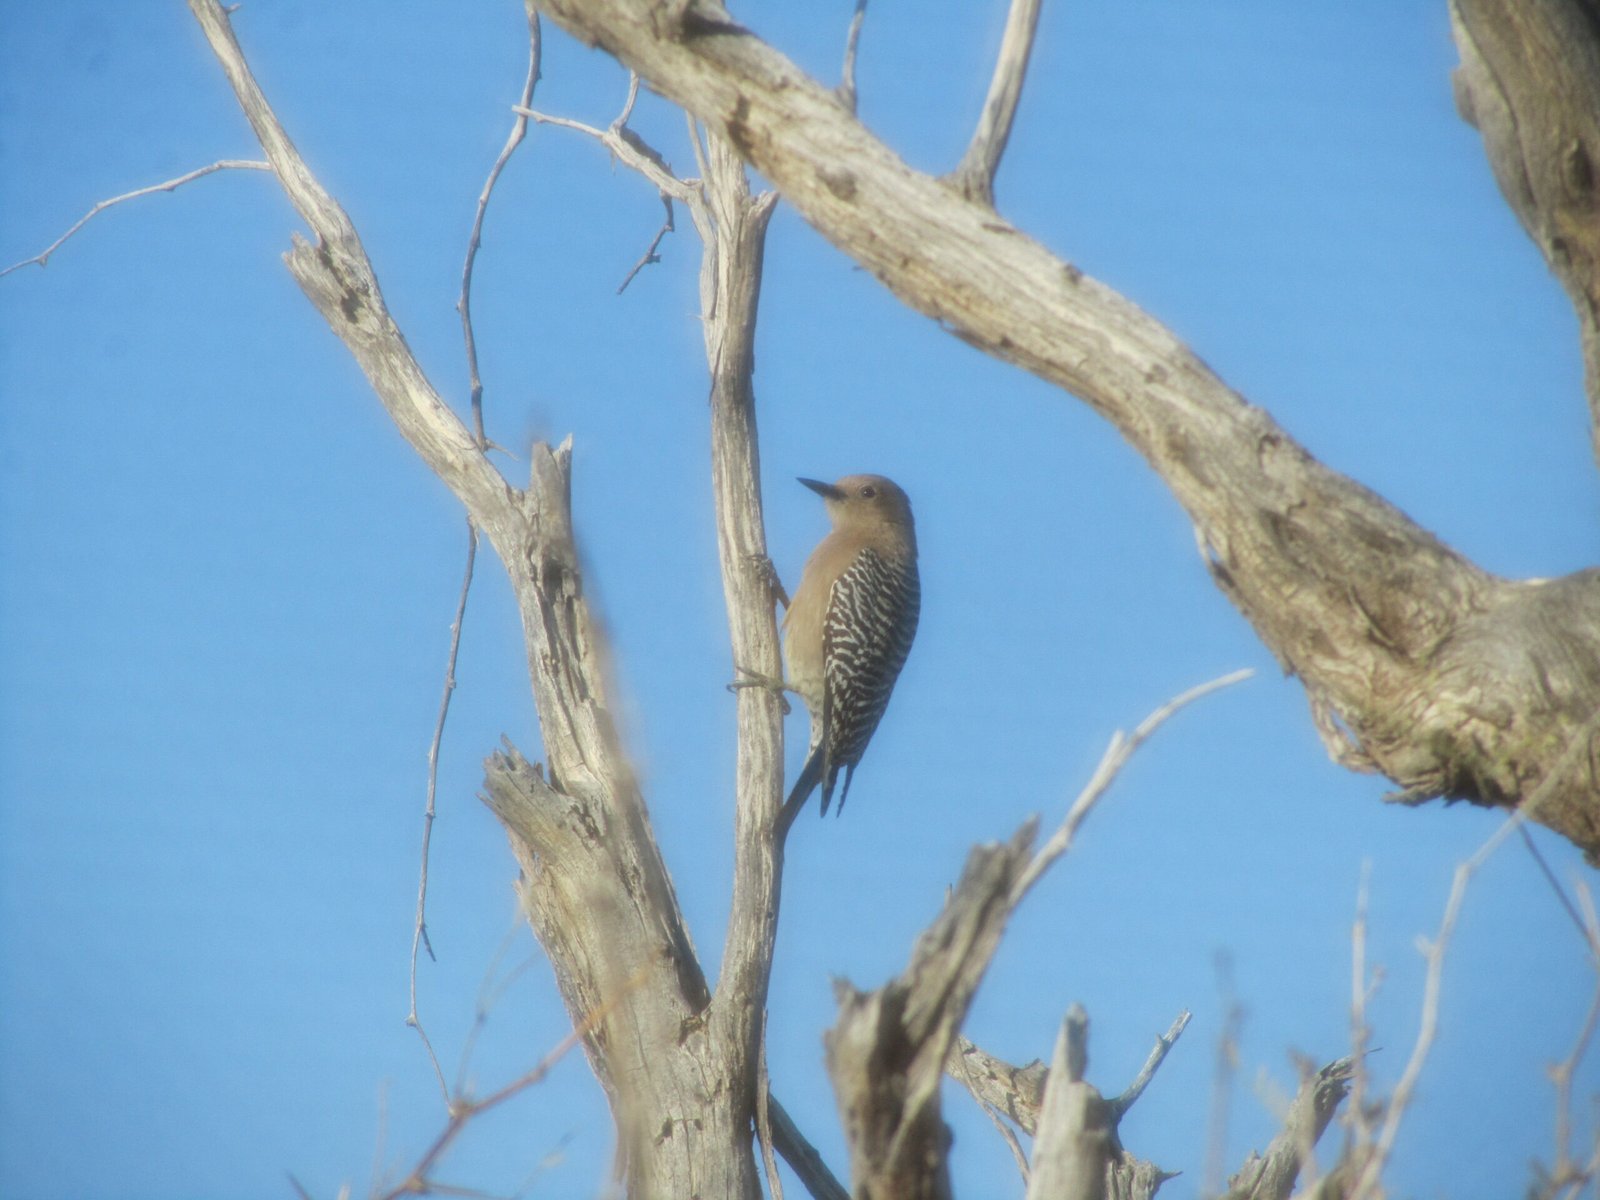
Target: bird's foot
(763, 564)
(755, 679)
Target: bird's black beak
(826, 490)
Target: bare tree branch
(463, 1111)
(1226, 1065)
(974, 177)
(1116, 755)
(1368, 1178)
(852, 44)
(886, 1053)
(885, 1043)
(1271, 1176)
(1158, 1055)
(419, 934)
(802, 1156)
(419, 929)
(228, 164)
(1529, 81)
(1073, 1146)
(519, 130)
(650, 257)
(1410, 654)
(1015, 1092)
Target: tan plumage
(850, 625)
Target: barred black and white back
(871, 620)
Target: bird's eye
(868, 492)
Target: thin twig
(847, 76)
(697, 144)
(802, 1156)
(627, 105)
(634, 152)
(463, 1110)
(1561, 892)
(227, 164)
(1116, 755)
(998, 1120)
(975, 175)
(650, 256)
(764, 1118)
(1367, 1184)
(1227, 1065)
(490, 992)
(419, 931)
(1565, 1170)
(1121, 1104)
(1362, 988)
(519, 130)
(419, 934)
(380, 1143)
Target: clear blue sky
(227, 582)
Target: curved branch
(1417, 662)
(228, 164)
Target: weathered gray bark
(1417, 663)
(887, 1051)
(1272, 1175)
(1529, 81)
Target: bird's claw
(755, 679)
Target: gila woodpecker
(850, 625)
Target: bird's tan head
(866, 504)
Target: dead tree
(1416, 662)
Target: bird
(849, 627)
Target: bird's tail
(810, 776)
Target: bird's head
(866, 503)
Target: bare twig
(462, 1110)
(997, 1119)
(650, 257)
(519, 130)
(802, 1156)
(764, 1122)
(889, 1048)
(1121, 1104)
(227, 164)
(633, 151)
(1116, 755)
(490, 992)
(419, 930)
(1566, 1171)
(1571, 910)
(1433, 951)
(1227, 1064)
(419, 935)
(975, 175)
(852, 42)
(1362, 988)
